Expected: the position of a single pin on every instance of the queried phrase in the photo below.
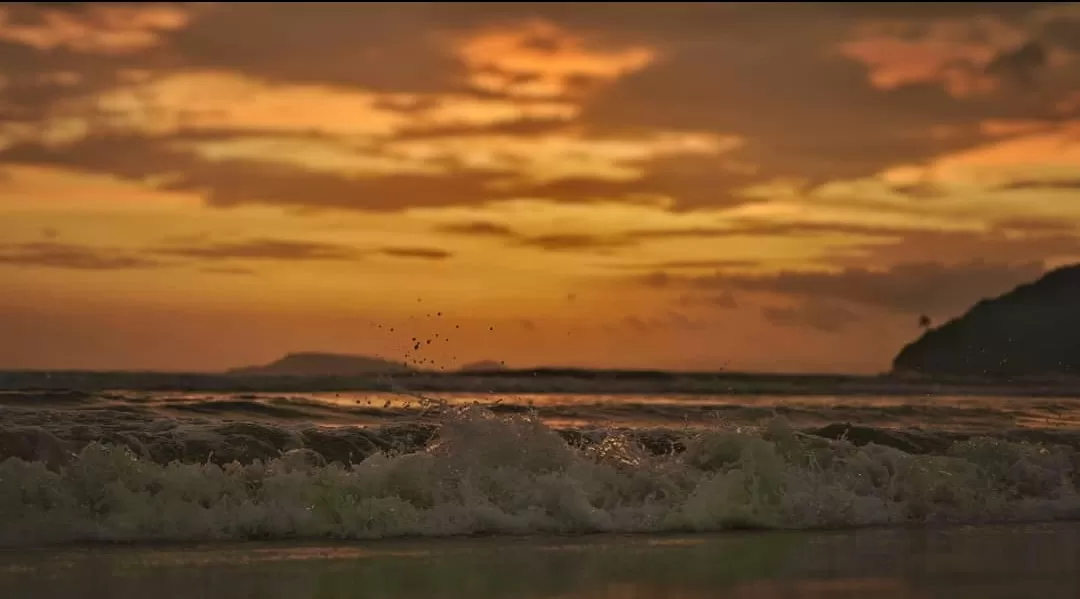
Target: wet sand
(989, 562)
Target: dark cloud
(1060, 184)
(395, 47)
(408, 47)
(241, 181)
(1010, 242)
(724, 300)
(831, 301)
(1056, 227)
(717, 264)
(228, 270)
(52, 254)
(826, 316)
(668, 320)
(35, 82)
(767, 229)
(803, 109)
(913, 288)
(574, 242)
(1064, 29)
(679, 320)
(697, 21)
(693, 181)
(39, 80)
(418, 253)
(711, 87)
(661, 274)
(477, 228)
(71, 257)
(283, 250)
(659, 279)
(520, 128)
(922, 190)
(238, 182)
(633, 237)
(263, 249)
(585, 241)
(81, 7)
(1021, 64)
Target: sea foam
(472, 471)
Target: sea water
(335, 495)
(118, 468)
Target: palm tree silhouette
(925, 322)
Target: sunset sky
(777, 187)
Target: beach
(989, 562)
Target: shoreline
(399, 546)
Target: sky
(687, 186)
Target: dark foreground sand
(949, 563)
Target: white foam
(514, 475)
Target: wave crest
(477, 472)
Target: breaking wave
(86, 475)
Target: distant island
(323, 364)
(1031, 331)
(316, 364)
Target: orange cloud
(540, 59)
(168, 103)
(316, 154)
(201, 100)
(110, 29)
(955, 53)
(49, 254)
(552, 157)
(1011, 127)
(1045, 156)
(495, 166)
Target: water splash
(476, 472)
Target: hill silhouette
(1031, 331)
(322, 364)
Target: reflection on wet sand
(983, 562)
(876, 588)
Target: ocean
(107, 494)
